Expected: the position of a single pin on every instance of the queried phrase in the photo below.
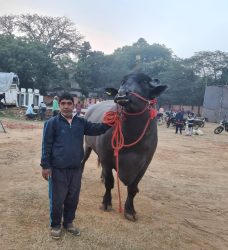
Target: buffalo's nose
(121, 98)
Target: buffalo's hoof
(107, 208)
(131, 217)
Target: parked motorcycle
(170, 121)
(222, 126)
(199, 121)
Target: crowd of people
(180, 119)
(41, 112)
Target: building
(215, 105)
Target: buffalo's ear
(156, 91)
(111, 92)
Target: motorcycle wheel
(202, 124)
(218, 130)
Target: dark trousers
(64, 189)
(42, 113)
(31, 116)
(179, 127)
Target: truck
(9, 88)
(12, 96)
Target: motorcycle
(222, 126)
(199, 121)
(170, 121)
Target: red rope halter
(114, 119)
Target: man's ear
(156, 91)
(111, 92)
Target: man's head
(32, 105)
(66, 104)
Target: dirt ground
(182, 203)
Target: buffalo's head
(139, 84)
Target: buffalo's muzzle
(121, 99)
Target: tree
(58, 34)
(8, 24)
(84, 51)
(184, 86)
(29, 59)
(209, 65)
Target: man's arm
(47, 143)
(95, 128)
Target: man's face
(66, 107)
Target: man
(179, 121)
(62, 153)
(55, 106)
(43, 109)
(30, 113)
(190, 124)
(78, 108)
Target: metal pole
(2, 127)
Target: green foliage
(58, 34)
(184, 85)
(30, 61)
(210, 66)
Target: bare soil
(182, 203)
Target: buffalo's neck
(134, 125)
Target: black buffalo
(133, 161)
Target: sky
(184, 26)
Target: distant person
(160, 115)
(78, 108)
(89, 103)
(179, 117)
(190, 120)
(161, 110)
(2, 97)
(42, 109)
(30, 113)
(55, 106)
(99, 100)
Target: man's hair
(66, 96)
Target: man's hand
(46, 173)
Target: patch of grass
(12, 113)
(2, 114)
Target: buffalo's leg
(132, 190)
(129, 210)
(109, 184)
